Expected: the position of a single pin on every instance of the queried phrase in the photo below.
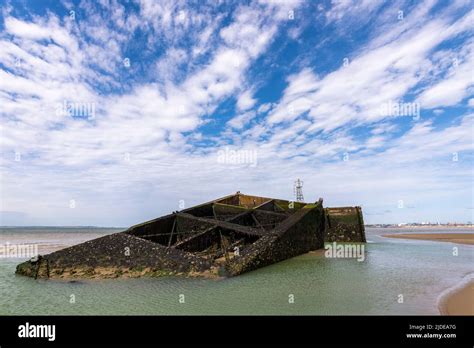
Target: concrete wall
(344, 224)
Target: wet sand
(459, 301)
(461, 238)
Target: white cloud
(264, 107)
(380, 74)
(245, 101)
(342, 8)
(241, 120)
(456, 86)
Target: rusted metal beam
(227, 225)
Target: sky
(117, 112)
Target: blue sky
(115, 112)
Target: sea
(396, 277)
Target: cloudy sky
(116, 112)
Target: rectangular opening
(269, 220)
(157, 231)
(216, 242)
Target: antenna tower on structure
(298, 188)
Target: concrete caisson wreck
(225, 237)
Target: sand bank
(461, 238)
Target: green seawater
(418, 270)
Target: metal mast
(298, 188)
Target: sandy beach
(459, 301)
(461, 238)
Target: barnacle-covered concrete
(225, 237)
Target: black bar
(261, 330)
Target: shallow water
(419, 270)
